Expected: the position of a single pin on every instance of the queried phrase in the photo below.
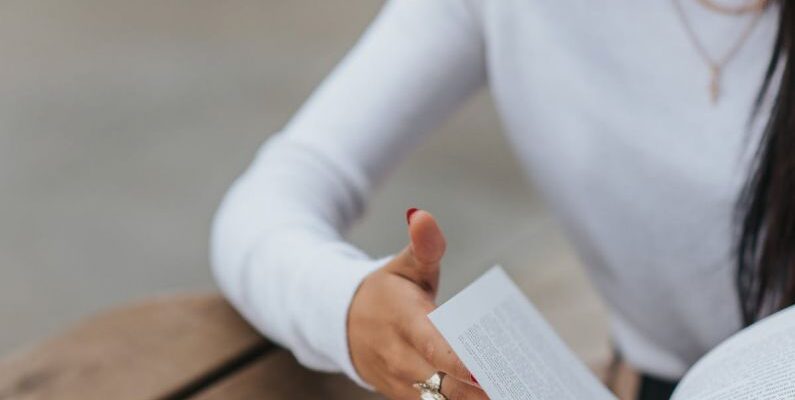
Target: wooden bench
(169, 348)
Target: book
(516, 355)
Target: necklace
(715, 65)
(751, 7)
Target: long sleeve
(278, 250)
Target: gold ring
(430, 389)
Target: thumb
(419, 261)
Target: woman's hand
(393, 343)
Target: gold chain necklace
(753, 6)
(715, 65)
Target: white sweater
(607, 107)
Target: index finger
(427, 340)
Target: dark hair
(766, 236)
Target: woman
(643, 123)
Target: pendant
(714, 83)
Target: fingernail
(409, 212)
(472, 378)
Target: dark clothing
(652, 388)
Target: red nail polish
(475, 381)
(409, 212)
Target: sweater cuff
(336, 302)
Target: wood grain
(278, 376)
(154, 350)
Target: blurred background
(123, 123)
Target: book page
(509, 347)
(757, 363)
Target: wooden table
(184, 347)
